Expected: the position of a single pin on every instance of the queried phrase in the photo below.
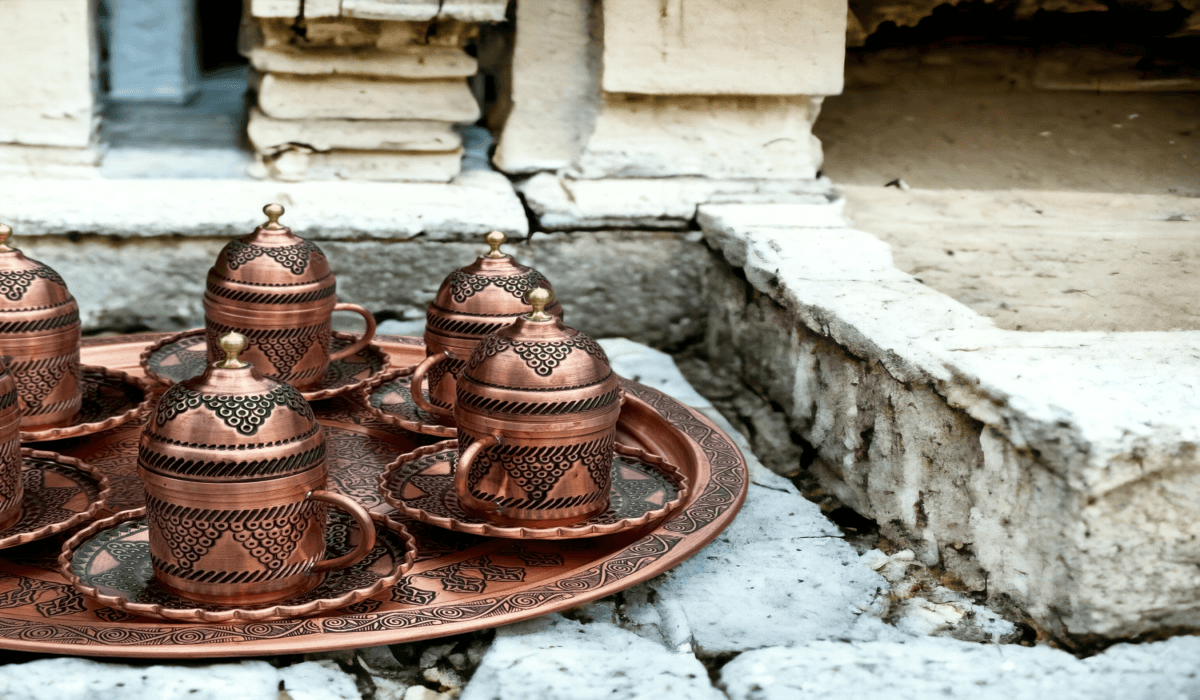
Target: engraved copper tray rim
(94, 507)
(253, 614)
(39, 613)
(364, 396)
(309, 395)
(79, 429)
(581, 530)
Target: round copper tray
(459, 583)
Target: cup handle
(418, 392)
(368, 335)
(365, 525)
(464, 460)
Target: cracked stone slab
(1051, 467)
(269, 135)
(82, 679)
(924, 667)
(552, 657)
(562, 203)
(472, 204)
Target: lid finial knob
(496, 239)
(232, 344)
(539, 298)
(273, 212)
(5, 234)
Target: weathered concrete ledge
(562, 203)
(1057, 470)
(473, 203)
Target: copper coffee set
(239, 519)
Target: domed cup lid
(26, 283)
(272, 256)
(231, 406)
(494, 285)
(538, 351)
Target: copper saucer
(110, 398)
(60, 493)
(645, 488)
(184, 355)
(109, 561)
(390, 400)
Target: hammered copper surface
(181, 356)
(276, 288)
(460, 582)
(110, 398)
(59, 493)
(234, 467)
(39, 338)
(110, 561)
(11, 486)
(472, 302)
(643, 488)
(536, 411)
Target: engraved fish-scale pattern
(37, 380)
(293, 257)
(450, 366)
(542, 358)
(464, 285)
(245, 414)
(15, 283)
(284, 347)
(270, 535)
(538, 469)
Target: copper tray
(460, 582)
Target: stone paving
(779, 606)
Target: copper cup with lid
(472, 302)
(234, 468)
(12, 487)
(276, 289)
(40, 336)
(537, 411)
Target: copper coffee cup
(276, 289)
(39, 339)
(472, 302)
(234, 468)
(537, 411)
(12, 487)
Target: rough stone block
(416, 63)
(1048, 469)
(344, 97)
(49, 77)
(715, 47)
(926, 667)
(152, 50)
(565, 204)
(419, 10)
(555, 658)
(715, 137)
(555, 85)
(297, 164)
(275, 8)
(270, 136)
(466, 208)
